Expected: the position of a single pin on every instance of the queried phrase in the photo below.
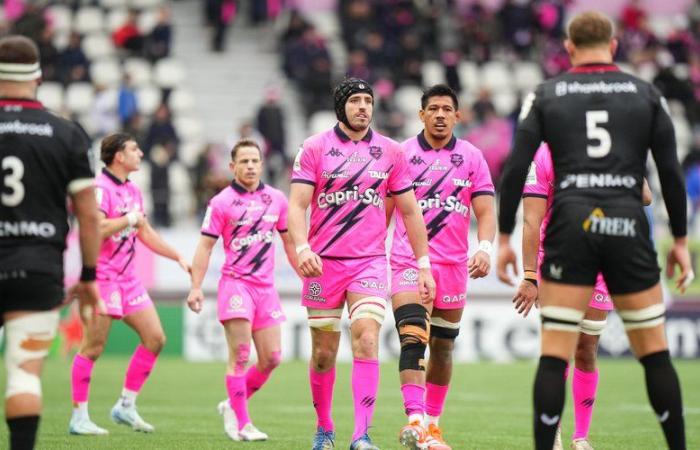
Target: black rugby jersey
(599, 124)
(42, 157)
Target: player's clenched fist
(426, 285)
(195, 300)
(310, 264)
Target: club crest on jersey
(379, 175)
(334, 152)
(375, 152)
(266, 198)
(416, 160)
(457, 160)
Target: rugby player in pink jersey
(450, 178)
(538, 195)
(122, 222)
(245, 215)
(345, 174)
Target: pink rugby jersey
(445, 181)
(246, 222)
(540, 183)
(351, 181)
(115, 199)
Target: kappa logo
(416, 160)
(549, 421)
(375, 152)
(457, 160)
(237, 202)
(334, 152)
(235, 304)
(315, 288)
(555, 271)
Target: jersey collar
(23, 102)
(241, 190)
(423, 142)
(113, 177)
(594, 68)
(345, 138)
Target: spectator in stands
(357, 66)
(127, 101)
(356, 19)
(14, 9)
(73, 64)
(694, 78)
(128, 36)
(270, 122)
(518, 24)
(411, 56)
(493, 136)
(388, 119)
(207, 176)
(160, 39)
(479, 31)
(633, 15)
(160, 148)
(691, 165)
(103, 113)
(670, 85)
(637, 44)
(135, 127)
(222, 14)
(161, 132)
(450, 60)
(245, 130)
(31, 23)
(550, 18)
(379, 55)
(49, 56)
(316, 86)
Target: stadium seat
(189, 151)
(139, 70)
(496, 75)
(433, 73)
(408, 99)
(97, 45)
(106, 72)
(111, 4)
(60, 40)
(182, 102)
(169, 73)
(661, 25)
(144, 4)
(188, 128)
(51, 95)
(647, 71)
(61, 18)
(149, 98)
(505, 102)
(527, 75)
(79, 97)
(469, 74)
(147, 20)
(681, 71)
(115, 18)
(181, 195)
(321, 121)
(88, 19)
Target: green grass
(487, 408)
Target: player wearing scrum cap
(43, 159)
(345, 174)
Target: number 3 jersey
(445, 181)
(246, 222)
(42, 159)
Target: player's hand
(525, 297)
(479, 264)
(426, 286)
(679, 256)
(195, 300)
(140, 218)
(506, 257)
(182, 262)
(89, 302)
(310, 264)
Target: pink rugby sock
(413, 398)
(584, 387)
(235, 386)
(365, 382)
(140, 366)
(256, 378)
(322, 384)
(80, 378)
(435, 395)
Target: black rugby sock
(23, 432)
(664, 393)
(549, 395)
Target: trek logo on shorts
(410, 277)
(314, 294)
(454, 298)
(235, 304)
(609, 226)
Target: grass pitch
(488, 407)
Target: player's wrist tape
(533, 273)
(486, 247)
(88, 274)
(423, 262)
(132, 217)
(531, 280)
(302, 247)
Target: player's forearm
(200, 264)
(296, 224)
(513, 178)
(156, 244)
(531, 245)
(415, 230)
(291, 253)
(389, 209)
(673, 190)
(486, 223)
(109, 227)
(88, 222)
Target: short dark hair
(16, 49)
(439, 90)
(112, 144)
(590, 29)
(244, 143)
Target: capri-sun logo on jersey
(369, 197)
(598, 223)
(450, 204)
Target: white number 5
(13, 180)
(595, 132)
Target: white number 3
(13, 180)
(595, 132)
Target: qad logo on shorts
(598, 223)
(454, 298)
(115, 300)
(138, 300)
(410, 277)
(276, 314)
(235, 304)
(314, 292)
